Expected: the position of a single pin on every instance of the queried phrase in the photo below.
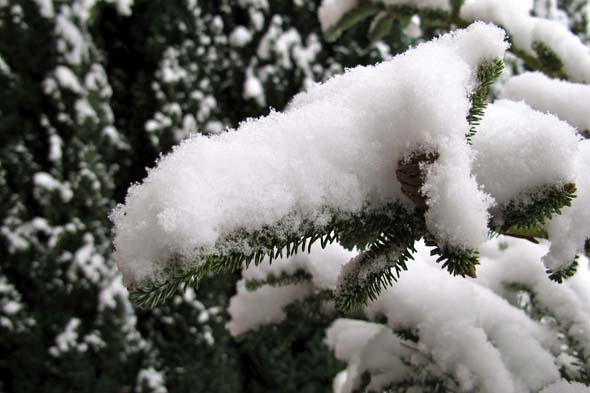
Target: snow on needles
(474, 330)
(568, 101)
(336, 147)
(526, 31)
(520, 149)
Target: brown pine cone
(411, 177)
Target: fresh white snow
(335, 147)
(568, 101)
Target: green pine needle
(548, 59)
(487, 74)
(273, 280)
(534, 208)
(563, 274)
(458, 261)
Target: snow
(253, 88)
(67, 79)
(336, 147)
(45, 8)
(526, 30)
(467, 328)
(459, 320)
(47, 182)
(366, 346)
(71, 42)
(153, 379)
(569, 230)
(566, 387)
(331, 11)
(68, 339)
(568, 101)
(264, 305)
(123, 6)
(519, 264)
(249, 310)
(508, 162)
(319, 263)
(240, 37)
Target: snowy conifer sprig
(278, 185)
(487, 74)
(542, 44)
(442, 333)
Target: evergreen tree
(384, 233)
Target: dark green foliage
(563, 274)
(487, 74)
(350, 19)
(548, 59)
(535, 207)
(282, 240)
(459, 262)
(297, 277)
(55, 247)
(291, 356)
(371, 271)
(407, 334)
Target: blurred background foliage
(91, 93)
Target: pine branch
(458, 261)
(533, 208)
(280, 241)
(549, 61)
(284, 278)
(350, 19)
(487, 74)
(363, 382)
(564, 273)
(366, 275)
(571, 345)
(407, 334)
(381, 261)
(546, 60)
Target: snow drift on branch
(473, 334)
(336, 147)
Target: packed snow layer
(465, 326)
(251, 309)
(336, 147)
(526, 30)
(323, 274)
(566, 387)
(568, 101)
(521, 150)
(569, 230)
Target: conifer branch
(283, 240)
(487, 74)
(533, 208)
(546, 60)
(366, 275)
(284, 278)
(458, 261)
(350, 19)
(564, 273)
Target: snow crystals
(335, 147)
(471, 333)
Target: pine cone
(411, 176)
